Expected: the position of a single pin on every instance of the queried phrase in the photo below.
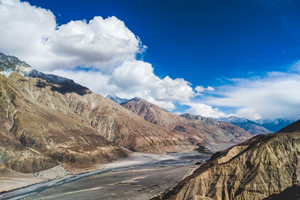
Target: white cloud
(210, 88)
(202, 109)
(134, 79)
(106, 46)
(273, 96)
(31, 33)
(200, 89)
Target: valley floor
(139, 176)
(136, 184)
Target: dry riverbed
(139, 176)
(129, 184)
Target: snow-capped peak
(233, 119)
(9, 64)
(116, 99)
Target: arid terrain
(262, 166)
(51, 123)
(139, 175)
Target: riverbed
(139, 176)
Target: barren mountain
(105, 119)
(34, 137)
(262, 166)
(201, 132)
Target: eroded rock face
(263, 165)
(34, 138)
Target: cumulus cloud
(134, 79)
(273, 96)
(31, 33)
(203, 109)
(199, 89)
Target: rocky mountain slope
(262, 166)
(104, 117)
(248, 125)
(199, 132)
(34, 137)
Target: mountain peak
(116, 99)
(9, 64)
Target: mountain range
(260, 126)
(47, 120)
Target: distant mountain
(248, 125)
(275, 124)
(116, 99)
(260, 126)
(226, 126)
(199, 132)
(256, 169)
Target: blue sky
(237, 47)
